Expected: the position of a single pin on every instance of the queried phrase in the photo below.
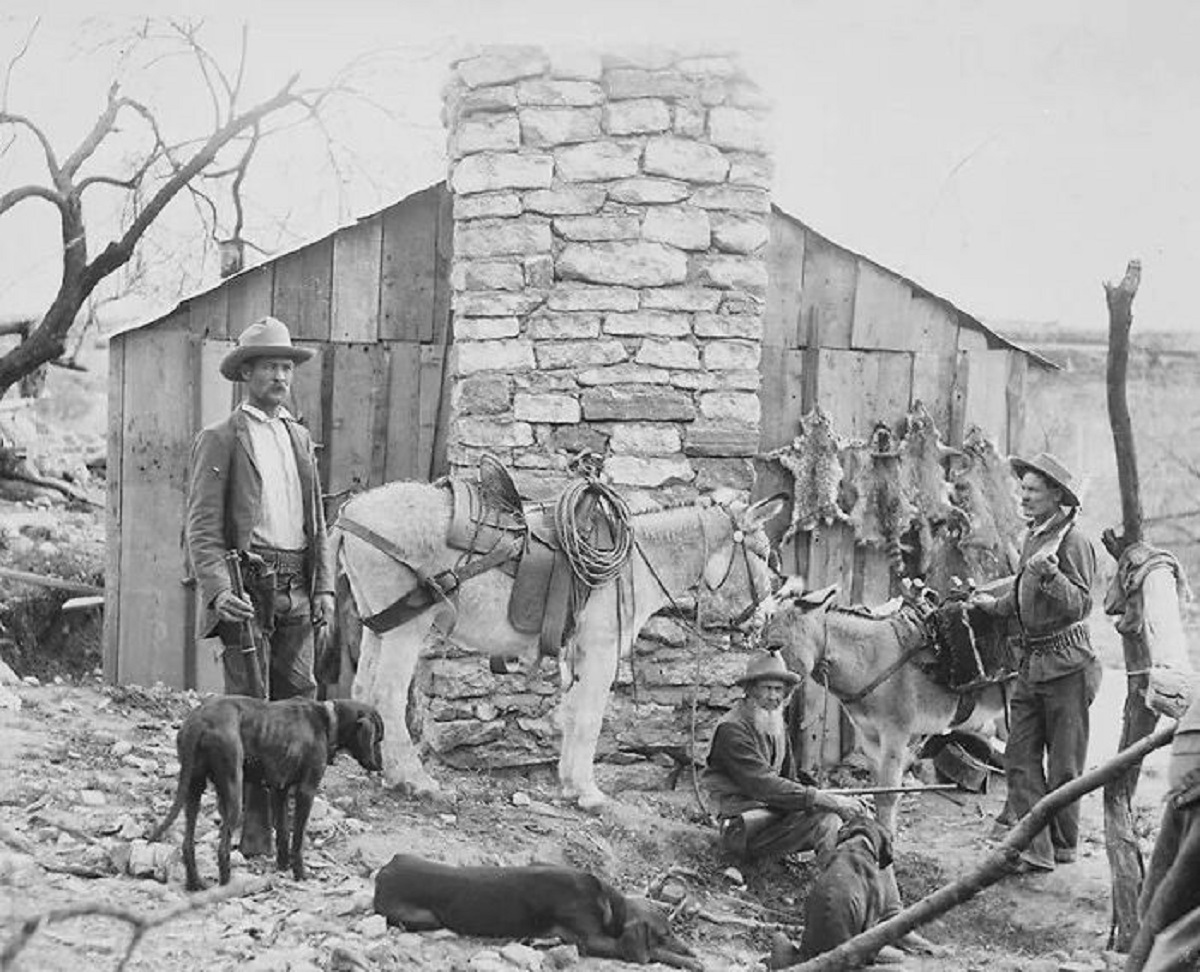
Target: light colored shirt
(281, 518)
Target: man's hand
(230, 607)
(1042, 563)
(322, 609)
(845, 806)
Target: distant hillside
(1066, 412)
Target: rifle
(250, 653)
(738, 829)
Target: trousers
(1047, 747)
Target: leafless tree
(208, 164)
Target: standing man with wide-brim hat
(254, 492)
(1059, 674)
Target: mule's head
(739, 572)
(791, 622)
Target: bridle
(740, 541)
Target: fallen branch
(859, 950)
(739, 922)
(42, 580)
(45, 482)
(141, 924)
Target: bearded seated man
(766, 809)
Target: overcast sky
(1010, 156)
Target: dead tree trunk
(1120, 320)
(1120, 842)
(859, 950)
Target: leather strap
(430, 589)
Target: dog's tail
(186, 748)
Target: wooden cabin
(373, 299)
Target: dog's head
(647, 934)
(360, 732)
(873, 832)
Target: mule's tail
(342, 636)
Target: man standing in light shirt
(254, 489)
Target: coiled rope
(592, 521)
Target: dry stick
(859, 950)
(141, 924)
(1120, 844)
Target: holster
(261, 582)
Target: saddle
(491, 513)
(973, 648)
(496, 529)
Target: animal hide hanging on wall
(816, 469)
(882, 512)
(987, 521)
(922, 454)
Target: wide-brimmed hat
(768, 665)
(1051, 467)
(265, 338)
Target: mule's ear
(764, 511)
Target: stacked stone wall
(610, 223)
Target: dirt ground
(86, 770)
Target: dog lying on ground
(848, 897)
(537, 901)
(284, 745)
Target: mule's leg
(387, 690)
(368, 658)
(889, 773)
(582, 712)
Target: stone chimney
(610, 228)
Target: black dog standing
(283, 746)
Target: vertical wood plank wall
(373, 301)
(841, 332)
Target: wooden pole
(860, 949)
(1120, 842)
(1120, 320)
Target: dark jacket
(1051, 602)
(224, 496)
(745, 772)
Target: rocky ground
(86, 770)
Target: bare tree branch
(140, 923)
(15, 59)
(8, 118)
(21, 193)
(101, 129)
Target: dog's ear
(368, 734)
(634, 944)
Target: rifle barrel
(882, 790)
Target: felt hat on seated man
(268, 337)
(768, 666)
(1051, 468)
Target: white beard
(770, 723)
